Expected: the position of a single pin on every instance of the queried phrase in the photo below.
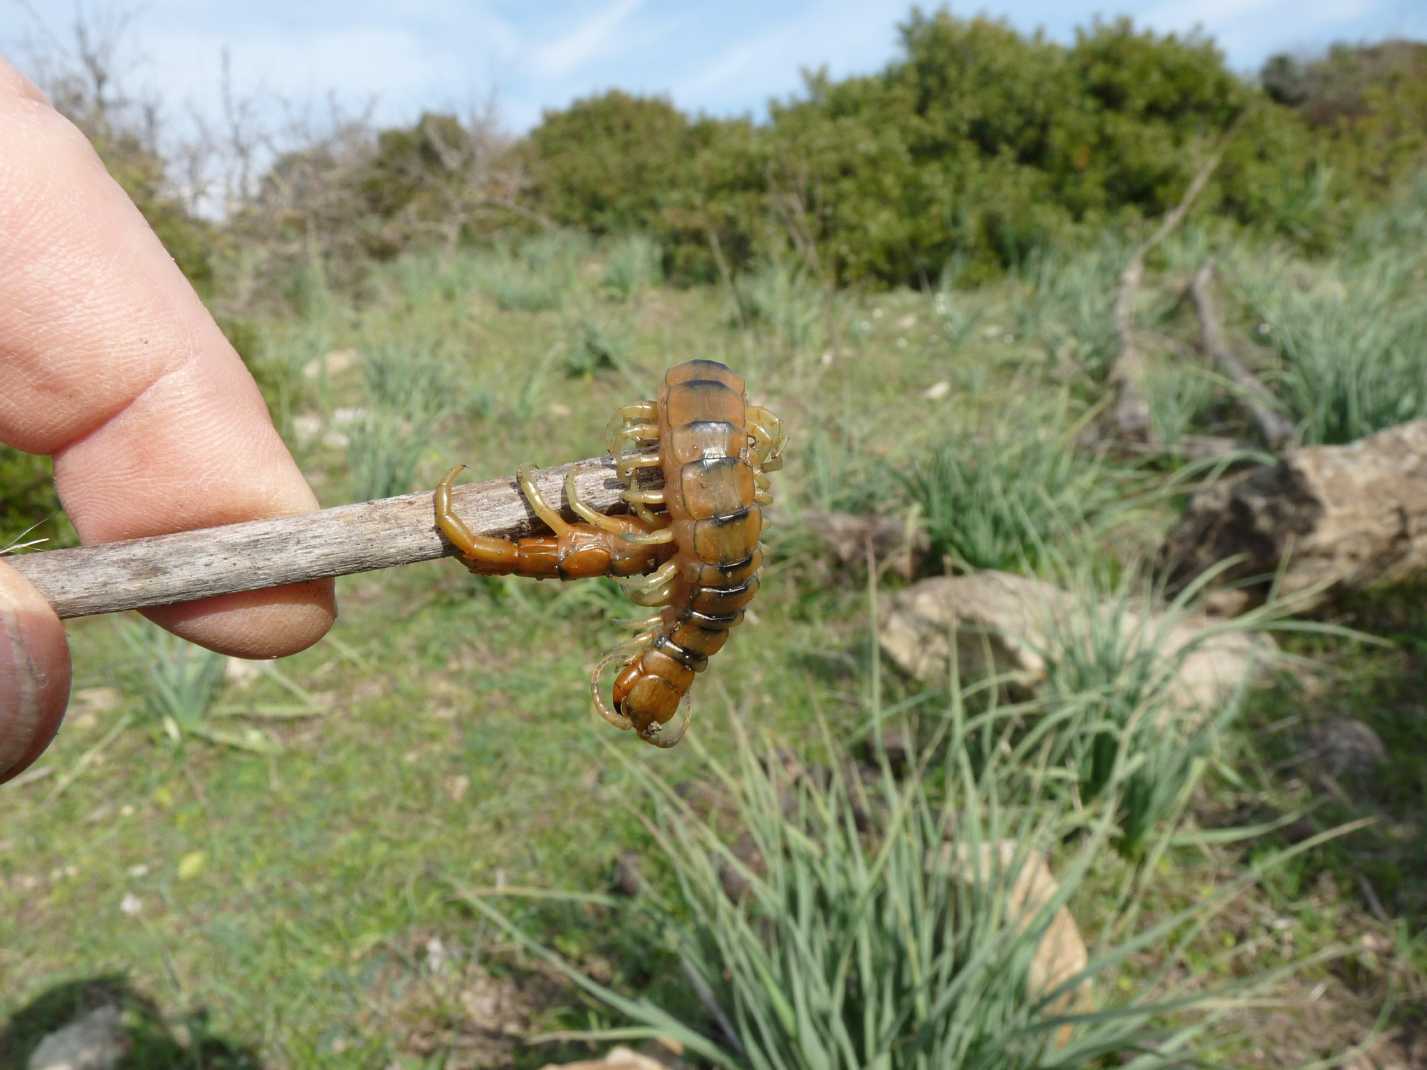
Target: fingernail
(34, 674)
(19, 694)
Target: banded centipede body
(694, 542)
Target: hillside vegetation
(412, 846)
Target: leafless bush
(284, 190)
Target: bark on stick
(163, 569)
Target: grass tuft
(633, 264)
(1001, 500)
(889, 920)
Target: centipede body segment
(695, 542)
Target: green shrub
(30, 506)
(603, 163)
(976, 145)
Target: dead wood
(1130, 415)
(181, 567)
(1277, 432)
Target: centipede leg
(582, 509)
(538, 505)
(639, 503)
(654, 596)
(660, 577)
(481, 554)
(620, 430)
(648, 538)
(768, 438)
(625, 464)
(653, 519)
(640, 432)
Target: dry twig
(187, 565)
(1131, 414)
(1277, 431)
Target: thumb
(34, 673)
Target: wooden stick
(1276, 430)
(1131, 411)
(163, 569)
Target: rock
(95, 1041)
(846, 536)
(708, 801)
(628, 879)
(1323, 521)
(736, 875)
(348, 415)
(1010, 626)
(333, 363)
(95, 700)
(1344, 747)
(240, 672)
(998, 622)
(1060, 955)
(306, 426)
(618, 1059)
(899, 745)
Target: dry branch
(1277, 431)
(1131, 414)
(181, 567)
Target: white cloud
(1225, 17)
(847, 37)
(590, 39)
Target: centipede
(691, 547)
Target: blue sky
(725, 57)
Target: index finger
(109, 362)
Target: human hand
(111, 364)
